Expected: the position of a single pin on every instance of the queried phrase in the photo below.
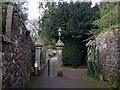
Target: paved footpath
(72, 78)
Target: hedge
(74, 53)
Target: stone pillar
(1, 48)
(38, 51)
(59, 56)
(9, 21)
(37, 59)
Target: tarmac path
(72, 78)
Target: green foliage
(75, 19)
(108, 16)
(73, 53)
(60, 71)
(114, 80)
(108, 29)
(52, 44)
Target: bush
(73, 53)
(60, 71)
(114, 80)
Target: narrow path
(71, 79)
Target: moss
(109, 35)
(26, 81)
(107, 29)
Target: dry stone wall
(109, 52)
(17, 49)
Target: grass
(93, 83)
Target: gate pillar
(37, 59)
(59, 56)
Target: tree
(75, 20)
(108, 16)
(22, 9)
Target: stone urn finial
(59, 43)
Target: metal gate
(92, 59)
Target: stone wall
(17, 48)
(109, 52)
(0, 48)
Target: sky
(33, 5)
